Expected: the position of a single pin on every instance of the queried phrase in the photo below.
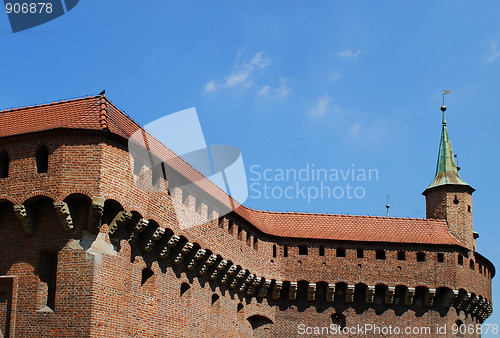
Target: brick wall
(102, 287)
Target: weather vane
(445, 92)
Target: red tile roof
(83, 113)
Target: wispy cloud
(349, 53)
(321, 106)
(281, 91)
(264, 90)
(242, 75)
(355, 129)
(493, 53)
(210, 86)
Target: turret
(449, 197)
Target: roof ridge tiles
(341, 215)
(48, 103)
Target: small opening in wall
(380, 254)
(42, 159)
(255, 242)
(147, 273)
(440, 257)
(338, 319)
(321, 250)
(340, 252)
(420, 257)
(184, 288)
(471, 264)
(302, 250)
(469, 209)
(48, 275)
(274, 250)
(239, 308)
(401, 256)
(460, 259)
(4, 164)
(240, 232)
(215, 298)
(285, 251)
(360, 253)
(459, 323)
(456, 201)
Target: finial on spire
(388, 205)
(443, 107)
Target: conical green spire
(446, 171)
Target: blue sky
(329, 83)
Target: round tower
(448, 197)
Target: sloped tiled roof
(83, 113)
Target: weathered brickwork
(93, 248)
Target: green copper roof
(446, 171)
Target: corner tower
(448, 197)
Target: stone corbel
(450, 297)
(410, 294)
(221, 266)
(311, 292)
(349, 295)
(197, 257)
(255, 283)
(210, 261)
(184, 251)
(247, 282)
(95, 213)
(278, 285)
(239, 276)
(25, 218)
(370, 294)
(138, 227)
(429, 297)
(292, 295)
(172, 242)
(64, 214)
(157, 235)
(230, 272)
(264, 288)
(330, 293)
(121, 218)
(389, 295)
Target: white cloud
(493, 52)
(242, 74)
(355, 128)
(334, 77)
(264, 90)
(321, 106)
(210, 86)
(349, 53)
(283, 90)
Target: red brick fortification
(91, 247)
